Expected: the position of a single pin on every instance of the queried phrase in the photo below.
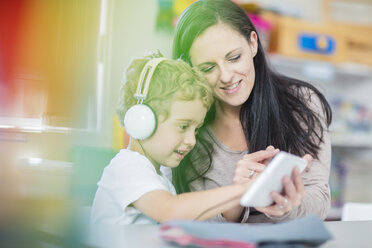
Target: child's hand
(253, 164)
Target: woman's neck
(228, 128)
(224, 111)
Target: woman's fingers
(246, 166)
(244, 177)
(293, 193)
(245, 170)
(261, 155)
(297, 179)
(280, 207)
(253, 164)
(267, 160)
(309, 160)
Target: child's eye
(183, 127)
(235, 58)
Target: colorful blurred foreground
(48, 63)
(49, 83)
(48, 202)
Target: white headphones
(140, 120)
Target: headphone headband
(139, 120)
(145, 78)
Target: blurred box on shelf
(358, 44)
(327, 41)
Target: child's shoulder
(127, 159)
(126, 163)
(126, 156)
(129, 154)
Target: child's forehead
(193, 110)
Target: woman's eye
(234, 58)
(207, 69)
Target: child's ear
(253, 43)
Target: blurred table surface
(345, 234)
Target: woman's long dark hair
(277, 111)
(194, 165)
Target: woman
(255, 108)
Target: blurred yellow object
(181, 5)
(118, 135)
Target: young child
(132, 188)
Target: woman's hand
(294, 191)
(247, 169)
(253, 164)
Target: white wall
(133, 35)
(130, 33)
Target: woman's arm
(162, 206)
(316, 177)
(317, 198)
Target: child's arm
(233, 214)
(161, 206)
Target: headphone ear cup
(140, 121)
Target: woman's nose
(225, 74)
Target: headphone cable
(217, 205)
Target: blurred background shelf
(352, 141)
(321, 71)
(347, 86)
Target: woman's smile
(231, 89)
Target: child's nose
(190, 139)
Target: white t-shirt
(129, 176)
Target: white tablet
(270, 179)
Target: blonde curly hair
(172, 80)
